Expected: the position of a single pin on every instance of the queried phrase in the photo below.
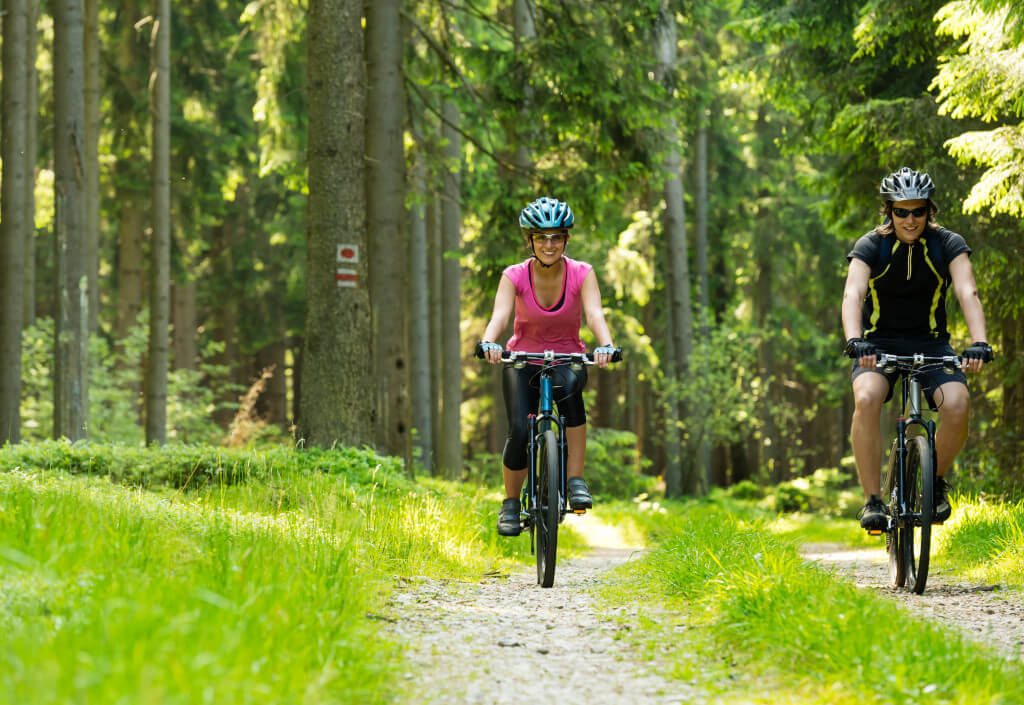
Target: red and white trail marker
(348, 254)
(347, 277)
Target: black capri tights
(522, 395)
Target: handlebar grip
(478, 350)
(616, 356)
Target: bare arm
(857, 277)
(595, 315)
(504, 303)
(967, 292)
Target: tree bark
(450, 442)
(71, 335)
(92, 161)
(183, 310)
(385, 205)
(337, 389)
(13, 223)
(31, 151)
(435, 254)
(160, 249)
(680, 307)
(421, 367)
(704, 466)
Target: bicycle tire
(897, 564)
(548, 488)
(921, 500)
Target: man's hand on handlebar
(862, 351)
(977, 355)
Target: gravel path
(503, 639)
(989, 614)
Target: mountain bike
(908, 484)
(545, 490)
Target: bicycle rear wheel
(897, 565)
(548, 481)
(917, 534)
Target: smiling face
(909, 219)
(549, 245)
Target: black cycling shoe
(942, 508)
(875, 515)
(579, 494)
(508, 518)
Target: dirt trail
(503, 639)
(989, 614)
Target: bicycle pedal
(874, 532)
(579, 511)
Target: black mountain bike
(908, 484)
(545, 490)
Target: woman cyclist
(547, 292)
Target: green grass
(735, 597)
(984, 540)
(231, 578)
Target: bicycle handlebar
(917, 361)
(547, 356)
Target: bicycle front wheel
(917, 532)
(893, 546)
(548, 488)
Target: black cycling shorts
(933, 379)
(522, 395)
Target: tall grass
(759, 603)
(984, 539)
(194, 574)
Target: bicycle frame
(910, 393)
(539, 423)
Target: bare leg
(954, 404)
(576, 439)
(869, 392)
(514, 480)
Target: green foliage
(613, 467)
(116, 377)
(984, 539)
(756, 599)
(177, 595)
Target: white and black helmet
(906, 185)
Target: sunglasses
(905, 212)
(554, 238)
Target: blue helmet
(546, 214)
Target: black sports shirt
(906, 294)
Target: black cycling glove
(979, 351)
(858, 348)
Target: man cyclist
(547, 292)
(894, 302)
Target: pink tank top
(536, 328)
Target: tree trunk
(450, 442)
(183, 310)
(160, 250)
(31, 150)
(435, 254)
(385, 206)
(71, 334)
(678, 289)
(92, 161)
(13, 223)
(226, 314)
(704, 466)
(421, 362)
(131, 229)
(337, 389)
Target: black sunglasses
(904, 212)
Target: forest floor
(988, 613)
(502, 639)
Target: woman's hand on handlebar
(603, 355)
(491, 352)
